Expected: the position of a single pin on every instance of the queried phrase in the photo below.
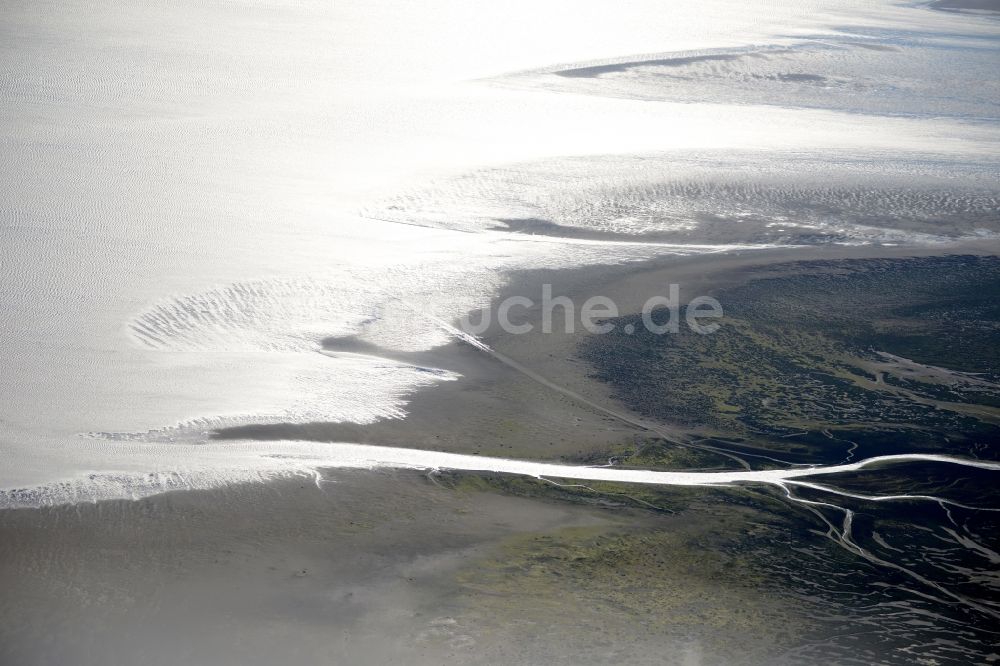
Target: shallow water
(194, 196)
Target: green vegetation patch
(814, 346)
(628, 585)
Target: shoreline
(463, 565)
(493, 410)
(373, 567)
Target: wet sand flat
(363, 567)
